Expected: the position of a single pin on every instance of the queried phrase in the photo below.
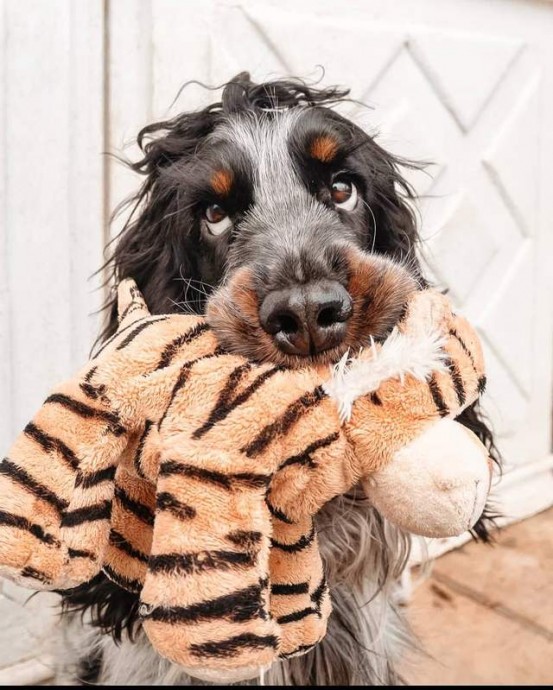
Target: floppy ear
(394, 230)
(159, 242)
(392, 223)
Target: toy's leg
(36, 482)
(205, 599)
(134, 504)
(300, 600)
(130, 539)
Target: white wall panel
(128, 62)
(5, 340)
(52, 195)
(467, 85)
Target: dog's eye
(217, 219)
(344, 193)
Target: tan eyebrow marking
(324, 148)
(221, 182)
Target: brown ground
(485, 614)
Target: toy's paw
(437, 485)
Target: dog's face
(292, 214)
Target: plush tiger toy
(191, 476)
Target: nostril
(285, 323)
(281, 314)
(336, 311)
(327, 316)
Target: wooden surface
(485, 615)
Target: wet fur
(164, 247)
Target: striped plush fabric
(191, 476)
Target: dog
(254, 211)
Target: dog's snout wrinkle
(307, 319)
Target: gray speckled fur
(286, 226)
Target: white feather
(399, 356)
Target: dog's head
(289, 223)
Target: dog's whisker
(202, 283)
(204, 290)
(185, 306)
(186, 279)
(200, 290)
(374, 224)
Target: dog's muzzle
(307, 319)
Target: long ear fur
(157, 245)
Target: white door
(467, 85)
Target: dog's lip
(325, 357)
(285, 344)
(332, 355)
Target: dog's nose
(307, 319)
